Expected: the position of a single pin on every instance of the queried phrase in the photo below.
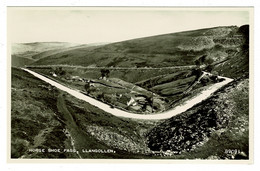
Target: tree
(209, 68)
(60, 71)
(87, 87)
(104, 73)
(197, 72)
(101, 96)
(205, 60)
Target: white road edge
(120, 113)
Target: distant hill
(61, 50)
(22, 53)
(224, 45)
(163, 50)
(21, 48)
(27, 53)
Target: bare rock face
(197, 43)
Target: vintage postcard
(167, 84)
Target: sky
(96, 25)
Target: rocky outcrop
(193, 128)
(117, 140)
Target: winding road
(120, 113)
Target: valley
(172, 96)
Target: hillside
(27, 53)
(237, 63)
(157, 51)
(45, 118)
(22, 53)
(209, 128)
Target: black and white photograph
(161, 83)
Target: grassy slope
(168, 86)
(131, 75)
(56, 51)
(34, 117)
(26, 53)
(22, 48)
(19, 61)
(163, 50)
(235, 67)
